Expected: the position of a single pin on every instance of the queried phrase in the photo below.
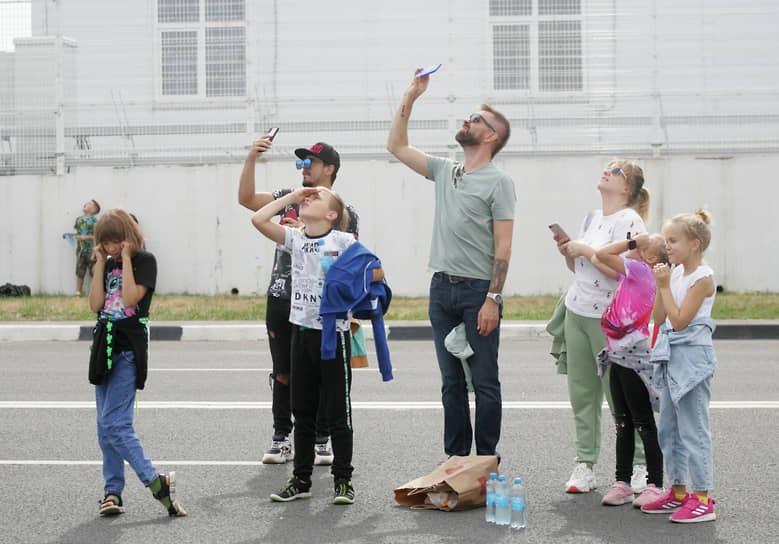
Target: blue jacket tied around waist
(349, 286)
(684, 358)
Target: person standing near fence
(319, 164)
(469, 255)
(84, 234)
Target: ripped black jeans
(633, 412)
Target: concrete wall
(205, 244)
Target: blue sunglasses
(303, 164)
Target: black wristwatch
(496, 297)
(631, 242)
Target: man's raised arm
(246, 195)
(397, 143)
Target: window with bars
(537, 45)
(202, 47)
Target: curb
(232, 331)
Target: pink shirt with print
(632, 304)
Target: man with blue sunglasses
(469, 257)
(319, 164)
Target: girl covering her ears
(687, 362)
(124, 281)
(633, 395)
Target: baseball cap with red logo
(322, 151)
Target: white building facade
(151, 105)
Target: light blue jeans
(685, 437)
(115, 432)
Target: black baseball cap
(322, 151)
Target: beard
(307, 183)
(465, 138)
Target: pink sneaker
(650, 494)
(620, 493)
(666, 504)
(695, 511)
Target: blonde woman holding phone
(625, 205)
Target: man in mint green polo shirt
(469, 258)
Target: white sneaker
(280, 451)
(582, 479)
(638, 480)
(323, 455)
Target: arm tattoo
(402, 110)
(499, 270)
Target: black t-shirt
(145, 272)
(281, 274)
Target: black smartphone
(272, 133)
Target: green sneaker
(111, 505)
(344, 492)
(294, 489)
(168, 491)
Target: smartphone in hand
(272, 133)
(289, 214)
(558, 231)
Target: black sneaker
(111, 505)
(344, 492)
(294, 489)
(168, 490)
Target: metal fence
(179, 83)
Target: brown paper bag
(464, 476)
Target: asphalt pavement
(198, 331)
(206, 414)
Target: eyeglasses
(617, 170)
(477, 117)
(303, 163)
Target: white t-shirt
(311, 258)
(591, 292)
(680, 284)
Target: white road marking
(378, 405)
(384, 405)
(227, 369)
(66, 462)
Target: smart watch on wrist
(631, 242)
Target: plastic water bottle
(518, 518)
(489, 516)
(502, 508)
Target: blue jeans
(449, 305)
(115, 432)
(685, 437)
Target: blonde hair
(695, 226)
(657, 245)
(341, 222)
(639, 195)
(116, 225)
